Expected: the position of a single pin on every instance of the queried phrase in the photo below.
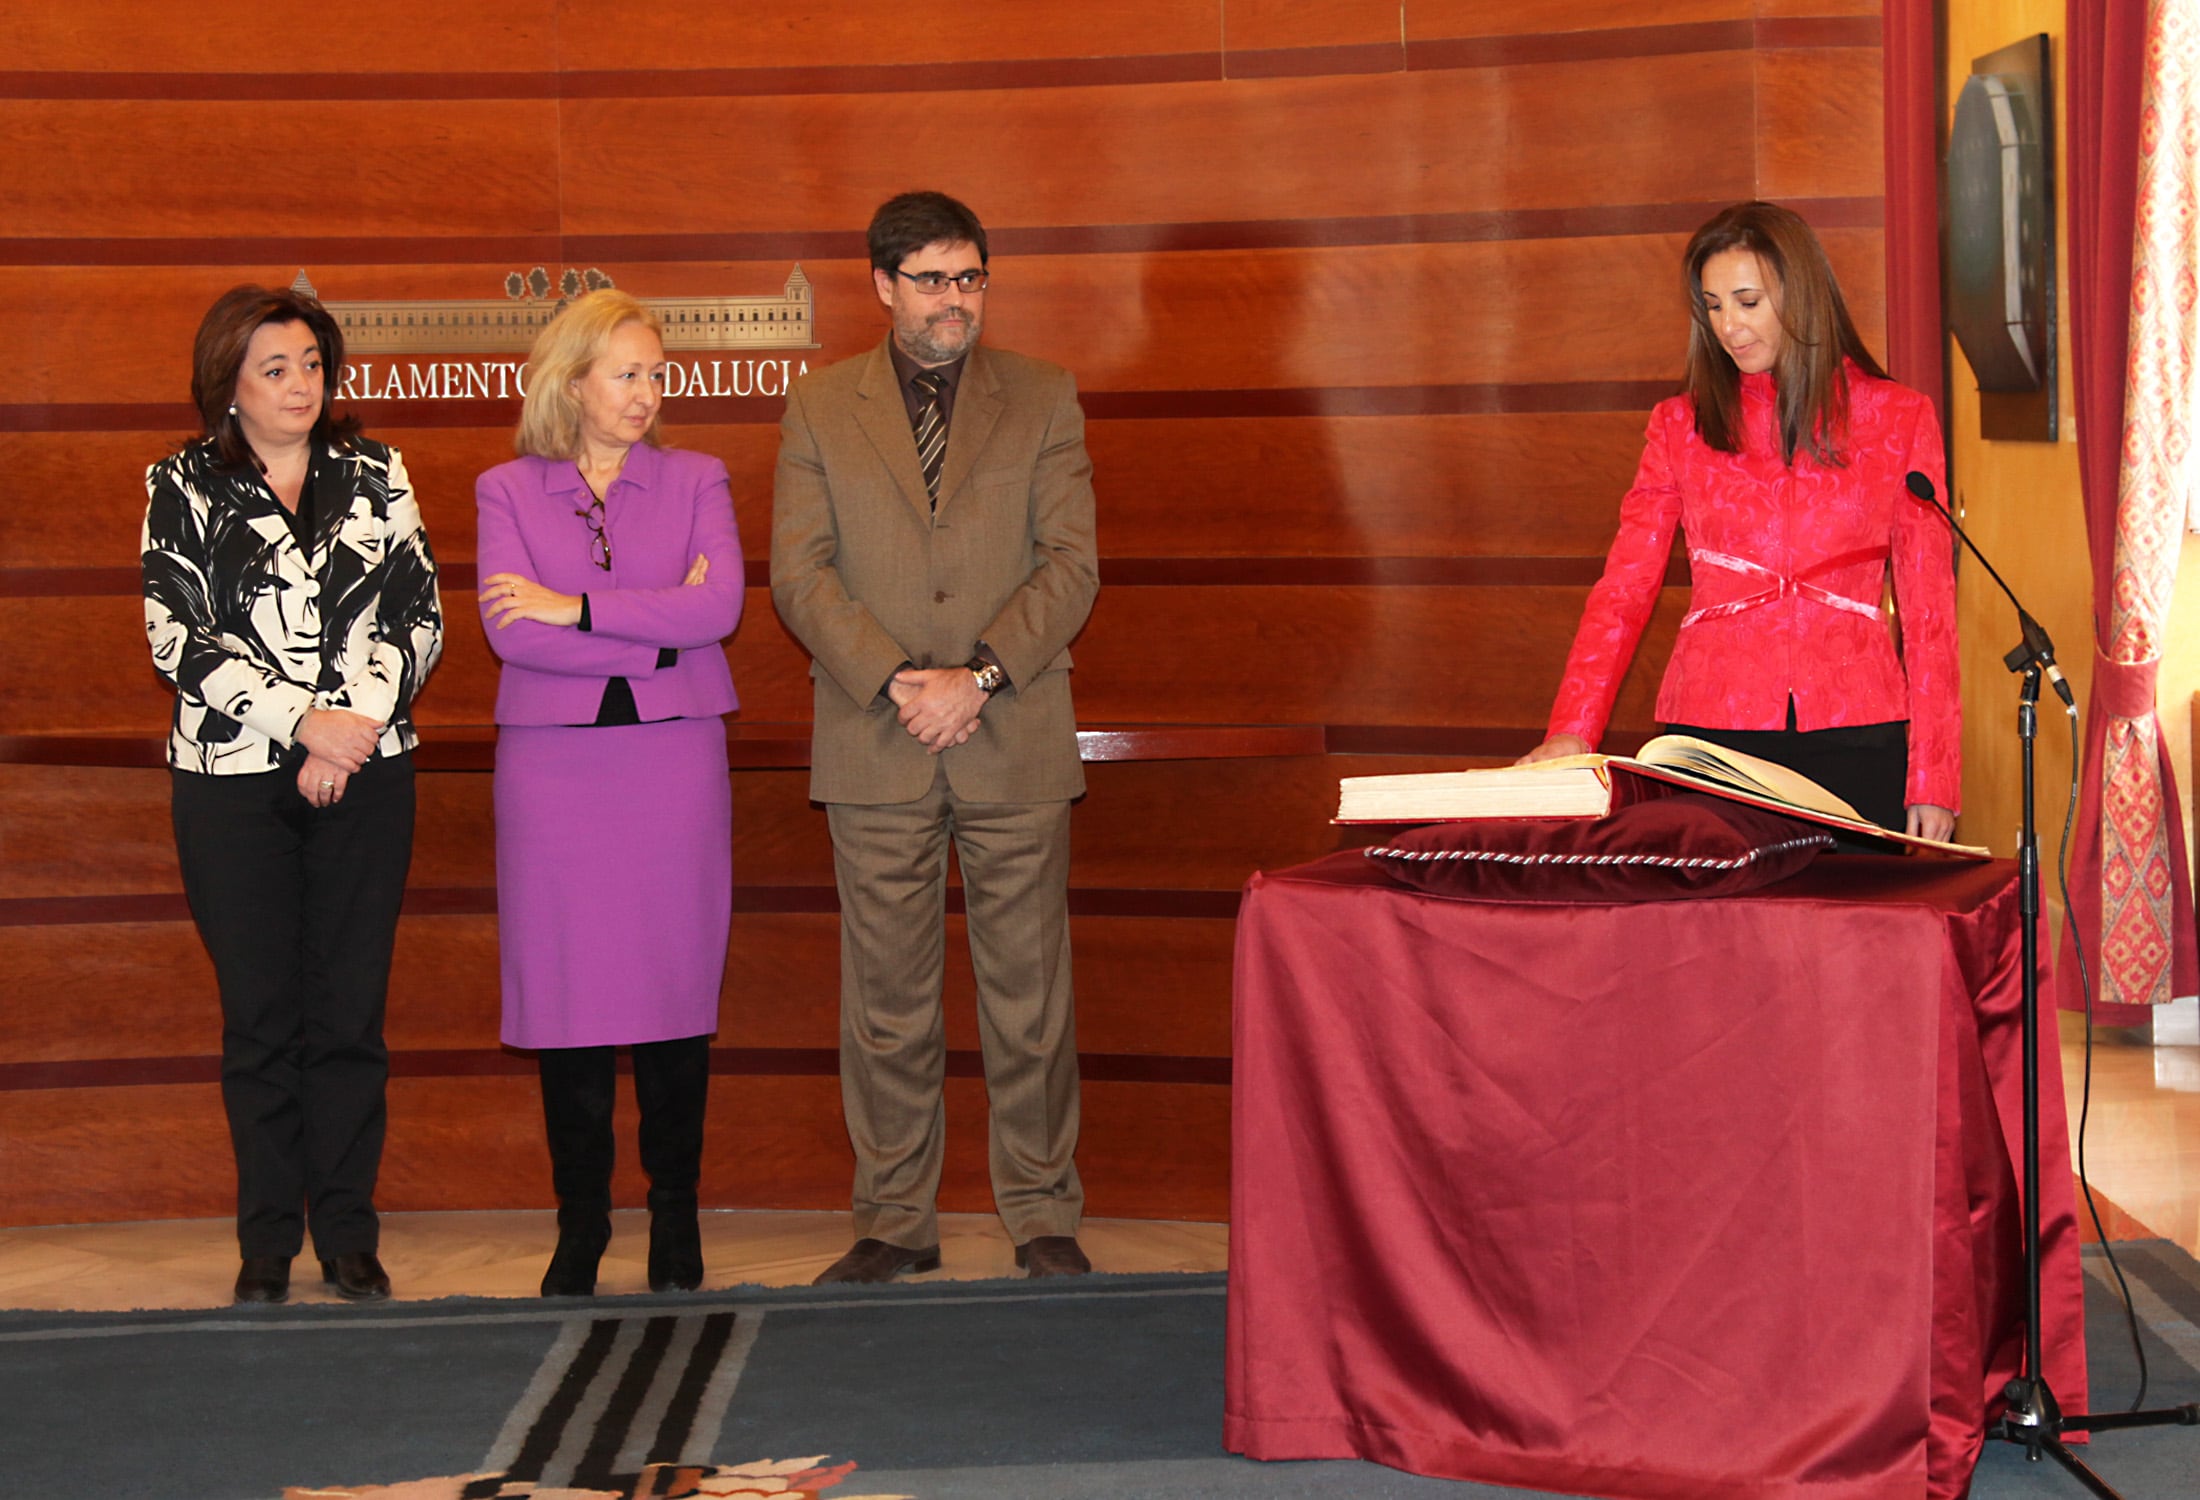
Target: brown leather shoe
(870, 1260)
(1052, 1255)
(357, 1276)
(263, 1278)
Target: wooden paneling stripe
(1579, 46)
(1314, 62)
(346, 250)
(1167, 742)
(1303, 401)
(1425, 55)
(750, 746)
(85, 416)
(1346, 572)
(1471, 743)
(487, 1062)
(651, 83)
(58, 84)
(1572, 222)
(1642, 41)
(462, 901)
(457, 578)
(1780, 33)
(1376, 400)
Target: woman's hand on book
(1926, 821)
(1556, 746)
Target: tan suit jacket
(868, 576)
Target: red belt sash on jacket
(1784, 585)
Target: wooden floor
(191, 1262)
(2142, 1152)
(2142, 1141)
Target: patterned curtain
(2131, 893)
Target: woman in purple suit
(610, 573)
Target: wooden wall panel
(1390, 315)
(1261, 24)
(144, 990)
(68, 1163)
(78, 665)
(1511, 485)
(106, 990)
(1173, 826)
(1516, 484)
(476, 167)
(1502, 313)
(1343, 655)
(1357, 655)
(475, 1143)
(1505, 313)
(680, 34)
(226, 36)
(1779, 8)
(1430, 19)
(84, 831)
(1364, 296)
(1821, 121)
(1377, 144)
(128, 990)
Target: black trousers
(297, 906)
(1865, 765)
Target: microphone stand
(2032, 1417)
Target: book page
(1679, 752)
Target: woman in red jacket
(1784, 461)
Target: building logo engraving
(390, 345)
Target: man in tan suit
(932, 548)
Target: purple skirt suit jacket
(614, 844)
(665, 507)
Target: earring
(232, 408)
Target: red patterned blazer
(1787, 566)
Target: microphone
(2036, 644)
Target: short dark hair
(907, 222)
(217, 355)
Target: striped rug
(1105, 1389)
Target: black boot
(672, 1086)
(583, 1234)
(675, 1242)
(577, 1085)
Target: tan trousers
(891, 867)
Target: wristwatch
(990, 678)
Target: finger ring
(328, 783)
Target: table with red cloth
(1701, 1199)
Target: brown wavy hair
(1817, 335)
(217, 355)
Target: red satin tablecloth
(1691, 1199)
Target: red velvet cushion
(1666, 849)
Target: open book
(1590, 786)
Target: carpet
(1109, 1386)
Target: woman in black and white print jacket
(290, 597)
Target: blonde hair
(550, 417)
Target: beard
(944, 336)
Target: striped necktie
(931, 430)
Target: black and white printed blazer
(253, 631)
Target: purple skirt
(614, 881)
